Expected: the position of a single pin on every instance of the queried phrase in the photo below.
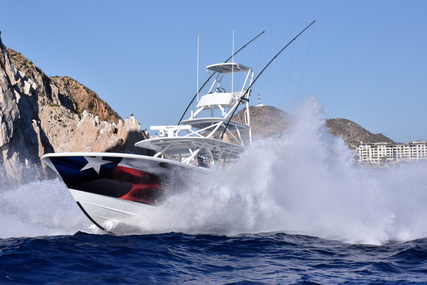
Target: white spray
(39, 208)
(305, 182)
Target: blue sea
(296, 209)
(176, 258)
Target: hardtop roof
(227, 67)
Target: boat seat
(215, 99)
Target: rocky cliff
(41, 114)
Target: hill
(269, 121)
(352, 133)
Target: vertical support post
(232, 67)
(198, 41)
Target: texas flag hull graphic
(107, 176)
(116, 190)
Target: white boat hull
(116, 191)
(110, 214)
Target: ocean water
(297, 209)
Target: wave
(39, 208)
(305, 181)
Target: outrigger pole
(214, 74)
(249, 88)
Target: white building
(377, 153)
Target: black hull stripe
(92, 220)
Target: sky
(364, 60)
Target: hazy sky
(366, 61)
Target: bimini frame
(199, 136)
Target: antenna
(198, 40)
(256, 78)
(232, 67)
(194, 97)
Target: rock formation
(268, 121)
(41, 114)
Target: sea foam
(39, 208)
(305, 181)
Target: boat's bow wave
(305, 182)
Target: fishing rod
(192, 100)
(249, 88)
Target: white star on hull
(95, 163)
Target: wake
(303, 182)
(39, 208)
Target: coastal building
(381, 152)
